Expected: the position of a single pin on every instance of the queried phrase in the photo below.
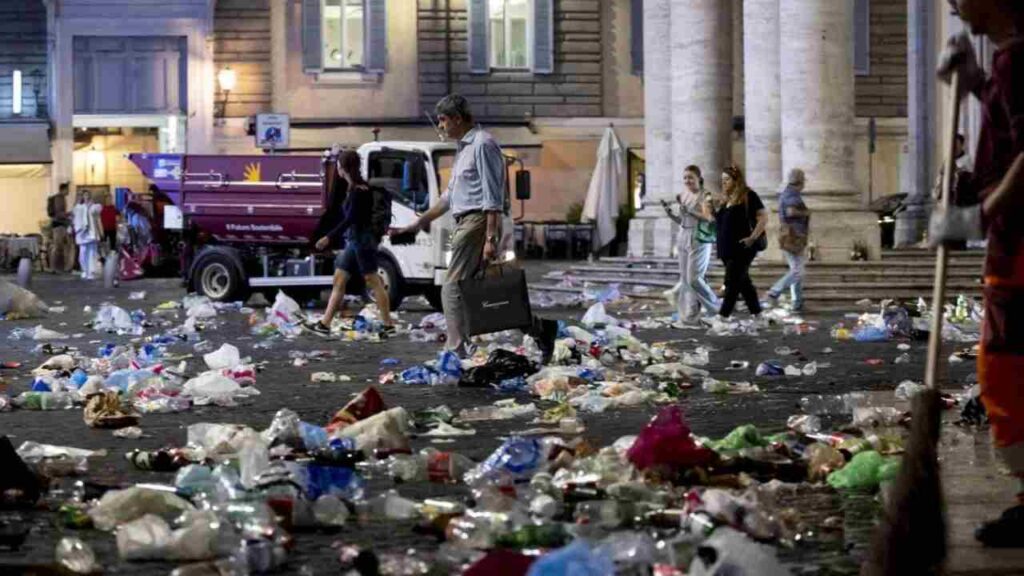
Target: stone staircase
(833, 286)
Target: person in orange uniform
(999, 181)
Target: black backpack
(380, 219)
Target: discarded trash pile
(544, 501)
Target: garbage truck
(248, 223)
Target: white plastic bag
(227, 356)
(118, 507)
(215, 388)
(146, 538)
(111, 318)
(596, 315)
(17, 301)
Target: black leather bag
(497, 301)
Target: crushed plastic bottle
(516, 459)
(429, 465)
(907, 389)
(76, 556)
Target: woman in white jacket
(88, 230)
(694, 245)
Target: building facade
(766, 84)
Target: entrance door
(130, 75)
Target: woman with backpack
(741, 219)
(361, 243)
(696, 234)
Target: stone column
(701, 88)
(657, 125)
(762, 100)
(818, 113)
(911, 223)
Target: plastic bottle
(429, 464)
(317, 480)
(602, 513)
(313, 437)
(518, 458)
(43, 401)
(76, 556)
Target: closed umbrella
(602, 206)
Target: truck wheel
(217, 277)
(392, 280)
(433, 296)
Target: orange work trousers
(1001, 365)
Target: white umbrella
(602, 206)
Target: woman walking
(360, 254)
(693, 243)
(741, 219)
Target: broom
(911, 538)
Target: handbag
(496, 301)
(790, 240)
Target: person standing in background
(794, 227)
(88, 228)
(108, 218)
(693, 244)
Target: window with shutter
(862, 37)
(511, 35)
(340, 35)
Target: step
(814, 302)
(923, 261)
(780, 269)
(925, 286)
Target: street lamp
(227, 79)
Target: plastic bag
(17, 303)
(666, 441)
(215, 388)
(864, 472)
(501, 365)
(227, 356)
(597, 316)
(118, 507)
(732, 553)
(111, 318)
(741, 437)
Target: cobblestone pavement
(283, 385)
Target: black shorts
(357, 259)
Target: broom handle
(942, 257)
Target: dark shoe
(318, 328)
(1006, 532)
(546, 339)
(387, 332)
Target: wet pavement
(834, 550)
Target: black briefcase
(497, 301)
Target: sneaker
(695, 324)
(318, 328)
(772, 299)
(387, 331)
(1005, 532)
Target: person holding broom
(999, 182)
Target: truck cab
(249, 222)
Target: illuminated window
(509, 33)
(343, 31)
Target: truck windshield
(443, 162)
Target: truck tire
(393, 282)
(218, 276)
(433, 296)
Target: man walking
(476, 198)
(794, 223)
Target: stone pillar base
(651, 236)
(833, 234)
(912, 225)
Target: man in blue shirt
(476, 198)
(794, 224)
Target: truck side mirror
(523, 185)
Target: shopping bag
(496, 301)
